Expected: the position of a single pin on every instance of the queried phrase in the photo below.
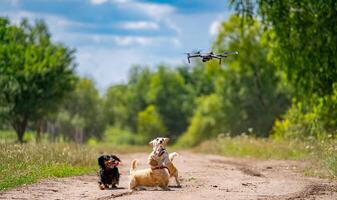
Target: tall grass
(322, 154)
(28, 163)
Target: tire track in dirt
(202, 177)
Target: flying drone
(208, 56)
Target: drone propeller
(225, 54)
(197, 51)
(230, 52)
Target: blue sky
(112, 35)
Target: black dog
(108, 173)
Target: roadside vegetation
(28, 163)
(320, 155)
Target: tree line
(282, 84)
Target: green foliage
(205, 123)
(81, 114)
(303, 41)
(117, 136)
(150, 124)
(35, 73)
(201, 78)
(123, 102)
(251, 86)
(247, 94)
(139, 85)
(171, 97)
(9, 136)
(117, 103)
(306, 36)
(152, 103)
(315, 118)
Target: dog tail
(172, 155)
(133, 166)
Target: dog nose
(161, 141)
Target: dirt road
(202, 177)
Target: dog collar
(161, 167)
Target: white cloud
(154, 10)
(173, 26)
(53, 21)
(98, 1)
(140, 25)
(131, 40)
(214, 28)
(120, 40)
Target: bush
(150, 124)
(315, 118)
(206, 122)
(118, 136)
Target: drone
(208, 56)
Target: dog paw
(101, 186)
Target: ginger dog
(148, 177)
(160, 158)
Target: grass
(322, 154)
(29, 163)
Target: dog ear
(151, 143)
(116, 158)
(101, 161)
(166, 140)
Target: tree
(207, 121)
(116, 106)
(35, 73)
(150, 124)
(251, 89)
(172, 99)
(81, 114)
(86, 103)
(139, 85)
(122, 102)
(248, 94)
(306, 37)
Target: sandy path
(202, 177)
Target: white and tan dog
(160, 158)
